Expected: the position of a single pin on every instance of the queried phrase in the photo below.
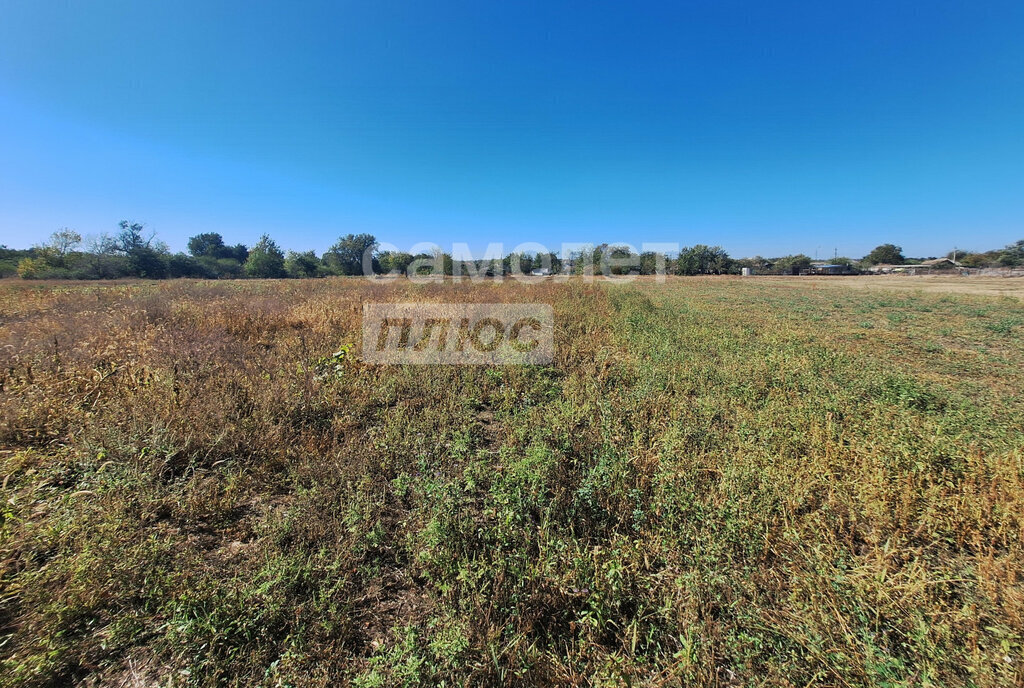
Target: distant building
(937, 264)
(925, 267)
(829, 269)
(885, 269)
(541, 272)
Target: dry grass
(946, 284)
(718, 482)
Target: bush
(265, 260)
(181, 265)
(31, 268)
(304, 264)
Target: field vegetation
(717, 482)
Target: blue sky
(766, 127)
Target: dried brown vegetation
(716, 483)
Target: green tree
(225, 268)
(238, 253)
(183, 265)
(548, 260)
(703, 260)
(31, 268)
(130, 238)
(619, 260)
(791, 265)
(56, 252)
(265, 260)
(889, 254)
(9, 259)
(208, 244)
(146, 258)
(64, 241)
(716, 260)
(149, 262)
(103, 260)
(1012, 255)
(216, 259)
(686, 263)
(394, 262)
(304, 264)
(521, 263)
(649, 262)
(350, 254)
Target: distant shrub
(31, 268)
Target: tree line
(132, 252)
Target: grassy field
(946, 284)
(718, 482)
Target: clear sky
(766, 127)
